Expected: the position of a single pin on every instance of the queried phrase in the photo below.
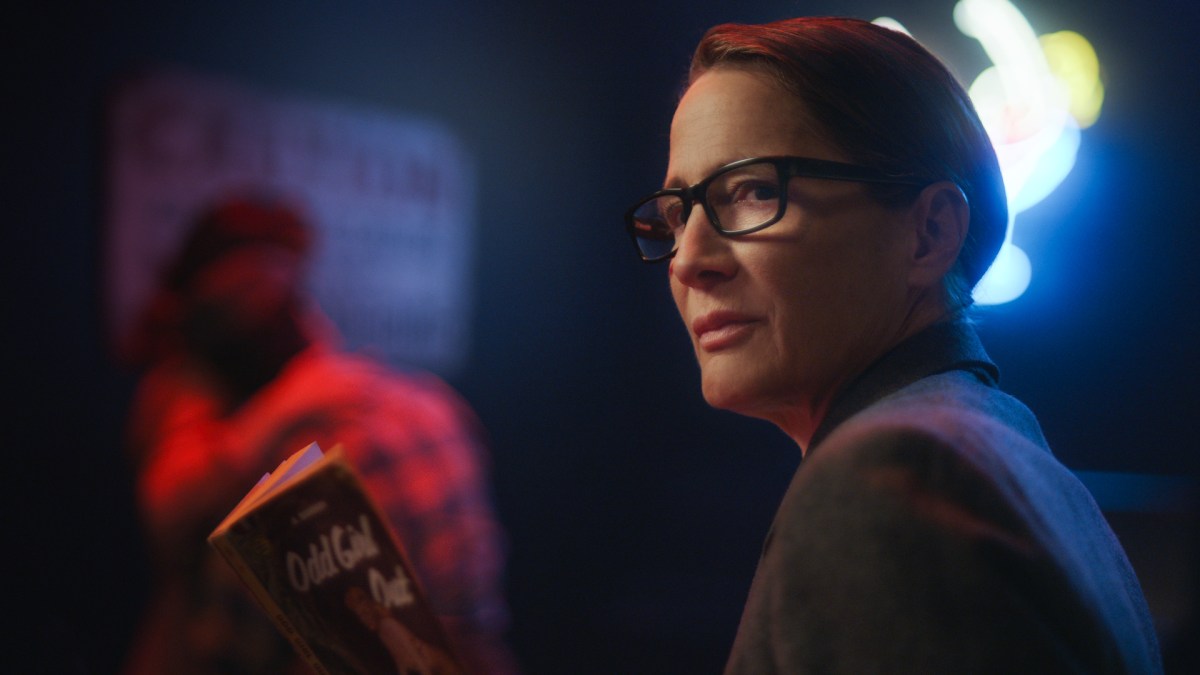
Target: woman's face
(782, 318)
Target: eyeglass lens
(739, 199)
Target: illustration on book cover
(340, 584)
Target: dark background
(634, 512)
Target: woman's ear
(940, 218)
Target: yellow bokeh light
(1033, 99)
(1074, 63)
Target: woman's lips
(718, 330)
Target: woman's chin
(761, 397)
(732, 396)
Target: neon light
(1033, 101)
(1074, 62)
(1007, 278)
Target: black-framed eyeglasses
(739, 198)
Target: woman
(831, 198)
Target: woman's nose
(704, 256)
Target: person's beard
(243, 356)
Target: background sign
(391, 199)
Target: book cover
(312, 547)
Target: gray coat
(930, 530)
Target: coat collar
(945, 346)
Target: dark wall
(635, 513)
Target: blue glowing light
(1033, 100)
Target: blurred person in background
(242, 370)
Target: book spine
(234, 558)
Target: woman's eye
(673, 216)
(758, 191)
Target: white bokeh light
(1032, 100)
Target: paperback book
(314, 550)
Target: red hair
(888, 103)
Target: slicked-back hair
(888, 103)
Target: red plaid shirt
(417, 447)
